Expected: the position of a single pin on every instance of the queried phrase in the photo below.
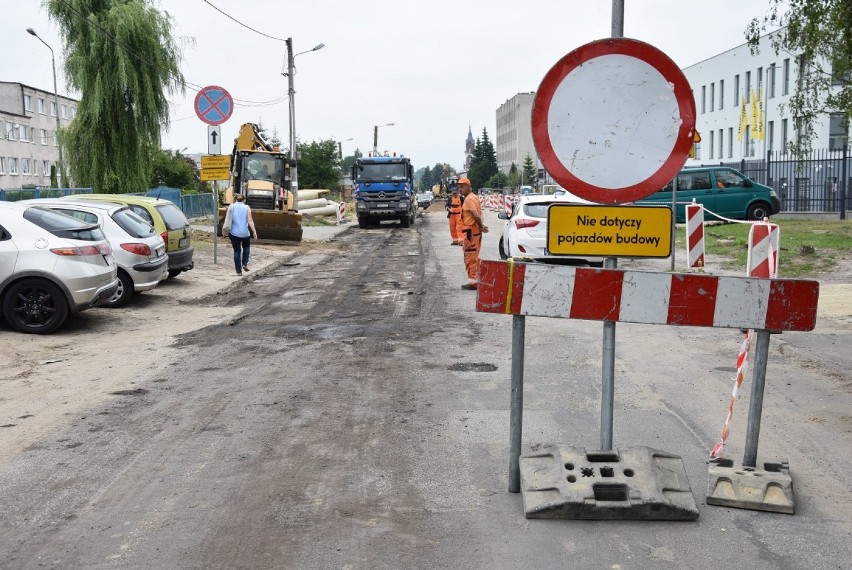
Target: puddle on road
(472, 367)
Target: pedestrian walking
(454, 210)
(239, 227)
(472, 229)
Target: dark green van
(723, 191)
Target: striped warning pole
(764, 240)
(507, 205)
(695, 235)
(341, 211)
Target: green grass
(808, 247)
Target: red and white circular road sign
(613, 120)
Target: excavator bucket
(272, 225)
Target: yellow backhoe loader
(261, 173)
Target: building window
(25, 166)
(838, 132)
(54, 139)
(53, 108)
(703, 99)
(730, 142)
(748, 87)
(770, 89)
(10, 132)
(721, 94)
(771, 135)
(45, 168)
(22, 133)
(712, 97)
(41, 106)
(759, 81)
(64, 111)
(28, 103)
(721, 141)
(697, 150)
(712, 144)
(736, 90)
(784, 136)
(13, 165)
(43, 136)
(2, 162)
(785, 78)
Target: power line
(240, 23)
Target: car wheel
(758, 211)
(503, 254)
(123, 293)
(174, 272)
(35, 306)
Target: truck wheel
(363, 222)
(405, 221)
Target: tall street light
(294, 176)
(376, 137)
(32, 32)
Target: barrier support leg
(517, 404)
(608, 374)
(755, 409)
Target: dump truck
(261, 173)
(384, 190)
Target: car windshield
(132, 223)
(172, 216)
(373, 172)
(63, 226)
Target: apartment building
(514, 132)
(28, 145)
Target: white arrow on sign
(214, 139)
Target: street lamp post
(63, 179)
(376, 137)
(294, 175)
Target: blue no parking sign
(214, 105)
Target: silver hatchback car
(51, 265)
(138, 250)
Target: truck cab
(384, 190)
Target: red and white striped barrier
(764, 241)
(341, 211)
(644, 297)
(508, 204)
(695, 235)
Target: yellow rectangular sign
(609, 231)
(208, 174)
(216, 161)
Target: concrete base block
(629, 484)
(767, 487)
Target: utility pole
(294, 169)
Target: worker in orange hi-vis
(472, 230)
(454, 210)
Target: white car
(139, 251)
(525, 233)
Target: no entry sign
(613, 120)
(214, 105)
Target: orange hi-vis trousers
(472, 244)
(455, 227)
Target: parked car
(723, 191)
(424, 199)
(51, 266)
(168, 221)
(139, 252)
(525, 233)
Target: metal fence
(819, 182)
(192, 205)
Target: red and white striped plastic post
(695, 235)
(507, 205)
(764, 241)
(341, 211)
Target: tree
(513, 180)
(484, 162)
(530, 172)
(176, 170)
(122, 56)
(820, 31)
(350, 160)
(319, 166)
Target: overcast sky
(431, 67)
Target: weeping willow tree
(121, 56)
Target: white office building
(28, 146)
(514, 133)
(723, 83)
